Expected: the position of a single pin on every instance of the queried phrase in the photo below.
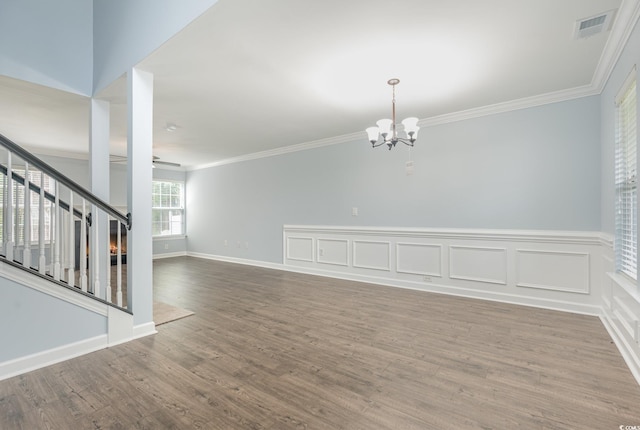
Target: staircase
(61, 240)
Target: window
(626, 180)
(167, 208)
(18, 191)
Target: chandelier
(386, 130)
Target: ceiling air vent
(593, 25)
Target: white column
(139, 153)
(99, 163)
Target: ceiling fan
(155, 161)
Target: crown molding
(283, 150)
(626, 18)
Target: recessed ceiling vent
(593, 25)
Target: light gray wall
(629, 57)
(48, 43)
(125, 31)
(78, 171)
(44, 322)
(536, 168)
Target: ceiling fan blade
(166, 163)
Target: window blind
(626, 180)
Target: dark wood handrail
(59, 177)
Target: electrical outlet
(226, 242)
(166, 246)
(426, 278)
(354, 211)
(321, 252)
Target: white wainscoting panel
(419, 259)
(333, 251)
(299, 248)
(482, 264)
(371, 255)
(562, 268)
(553, 270)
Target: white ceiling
(256, 75)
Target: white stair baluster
(95, 251)
(83, 247)
(8, 206)
(56, 225)
(119, 265)
(42, 261)
(26, 256)
(72, 263)
(108, 265)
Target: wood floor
(274, 350)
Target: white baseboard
(257, 263)
(627, 352)
(169, 255)
(18, 366)
(564, 306)
(31, 362)
(430, 287)
(143, 330)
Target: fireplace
(113, 242)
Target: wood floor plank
(268, 349)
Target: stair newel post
(119, 265)
(8, 212)
(42, 261)
(83, 247)
(95, 247)
(108, 267)
(26, 255)
(56, 224)
(71, 264)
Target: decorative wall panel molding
(553, 270)
(482, 264)
(368, 254)
(563, 269)
(419, 259)
(299, 248)
(333, 251)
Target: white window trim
(184, 212)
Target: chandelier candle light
(386, 130)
